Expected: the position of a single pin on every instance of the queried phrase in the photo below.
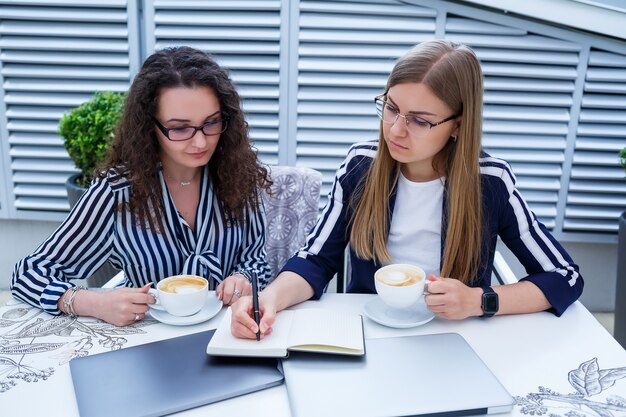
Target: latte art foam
(399, 276)
(182, 285)
(396, 277)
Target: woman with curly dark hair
(177, 194)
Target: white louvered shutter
(54, 55)
(597, 189)
(244, 37)
(307, 72)
(346, 52)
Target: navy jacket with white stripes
(505, 214)
(98, 229)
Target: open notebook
(308, 330)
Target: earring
(453, 138)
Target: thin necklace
(182, 183)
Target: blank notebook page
(325, 327)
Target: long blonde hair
(452, 72)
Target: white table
(531, 354)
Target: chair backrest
(502, 271)
(291, 210)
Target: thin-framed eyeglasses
(180, 133)
(417, 126)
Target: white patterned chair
(291, 210)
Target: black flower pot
(74, 191)
(106, 271)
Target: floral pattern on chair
(291, 212)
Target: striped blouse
(95, 231)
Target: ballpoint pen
(255, 302)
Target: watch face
(490, 303)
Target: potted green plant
(87, 132)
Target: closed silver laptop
(437, 374)
(165, 377)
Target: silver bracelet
(245, 273)
(68, 302)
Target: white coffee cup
(181, 295)
(400, 285)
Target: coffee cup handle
(157, 304)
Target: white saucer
(398, 318)
(211, 308)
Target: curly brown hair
(234, 169)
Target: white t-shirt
(415, 232)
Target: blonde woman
(427, 194)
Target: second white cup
(400, 285)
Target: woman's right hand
(288, 287)
(120, 306)
(242, 323)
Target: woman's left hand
(233, 288)
(451, 299)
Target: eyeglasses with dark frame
(182, 133)
(417, 126)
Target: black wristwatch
(489, 302)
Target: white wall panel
(597, 189)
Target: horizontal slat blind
(244, 37)
(346, 51)
(597, 189)
(54, 55)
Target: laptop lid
(437, 374)
(165, 377)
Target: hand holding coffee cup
(400, 285)
(181, 295)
